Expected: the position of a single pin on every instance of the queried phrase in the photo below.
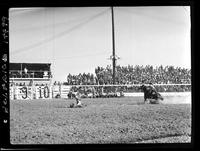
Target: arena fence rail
(87, 91)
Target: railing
(49, 92)
(29, 74)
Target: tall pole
(113, 42)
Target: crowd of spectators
(81, 79)
(133, 75)
(136, 75)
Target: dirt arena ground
(100, 121)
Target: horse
(150, 93)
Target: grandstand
(38, 76)
(168, 78)
(30, 74)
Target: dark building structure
(30, 73)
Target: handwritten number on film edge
(4, 33)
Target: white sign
(38, 92)
(42, 92)
(64, 91)
(56, 90)
(23, 92)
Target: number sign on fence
(38, 92)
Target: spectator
(134, 75)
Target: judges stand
(31, 77)
(30, 73)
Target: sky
(78, 39)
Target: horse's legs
(145, 99)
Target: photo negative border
(4, 47)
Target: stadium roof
(30, 66)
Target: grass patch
(113, 120)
